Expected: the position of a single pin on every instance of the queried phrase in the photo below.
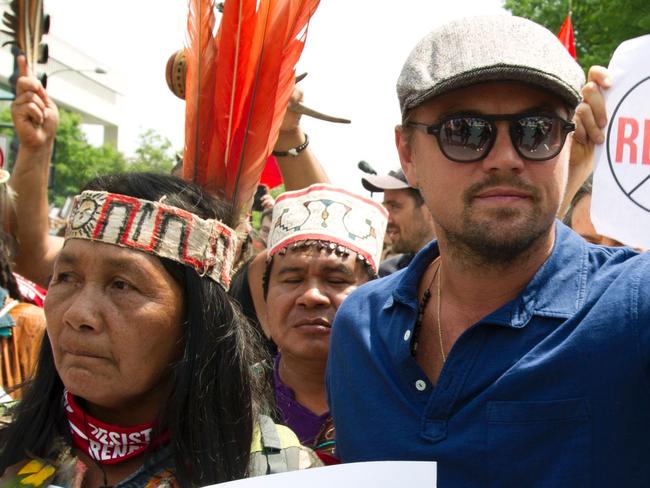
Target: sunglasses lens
(466, 138)
(537, 137)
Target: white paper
(380, 474)
(4, 397)
(620, 206)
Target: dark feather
(24, 25)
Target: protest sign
(381, 474)
(620, 205)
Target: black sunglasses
(466, 138)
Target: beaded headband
(323, 213)
(208, 246)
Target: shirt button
(407, 335)
(420, 385)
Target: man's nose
(313, 296)
(503, 156)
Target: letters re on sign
(620, 205)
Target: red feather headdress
(239, 80)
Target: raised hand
(35, 115)
(590, 120)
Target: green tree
(599, 26)
(76, 161)
(5, 118)
(154, 153)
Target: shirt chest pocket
(539, 444)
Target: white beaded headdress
(328, 214)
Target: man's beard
(400, 245)
(486, 243)
(411, 243)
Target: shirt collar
(406, 291)
(557, 290)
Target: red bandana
(105, 443)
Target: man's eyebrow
(456, 110)
(543, 107)
(339, 268)
(290, 269)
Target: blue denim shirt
(550, 390)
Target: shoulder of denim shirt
(400, 286)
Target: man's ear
(405, 152)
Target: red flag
(271, 175)
(566, 37)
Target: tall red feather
(200, 85)
(258, 44)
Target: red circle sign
(628, 145)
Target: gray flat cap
(489, 48)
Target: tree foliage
(76, 161)
(154, 153)
(599, 26)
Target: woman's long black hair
(215, 399)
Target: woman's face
(114, 319)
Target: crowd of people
(460, 322)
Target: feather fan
(235, 103)
(24, 23)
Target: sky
(354, 53)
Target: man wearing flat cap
(510, 351)
(410, 225)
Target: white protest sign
(620, 206)
(384, 474)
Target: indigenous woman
(144, 379)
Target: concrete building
(74, 84)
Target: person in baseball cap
(410, 225)
(394, 180)
(492, 352)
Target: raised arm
(591, 120)
(36, 119)
(303, 169)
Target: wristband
(294, 151)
